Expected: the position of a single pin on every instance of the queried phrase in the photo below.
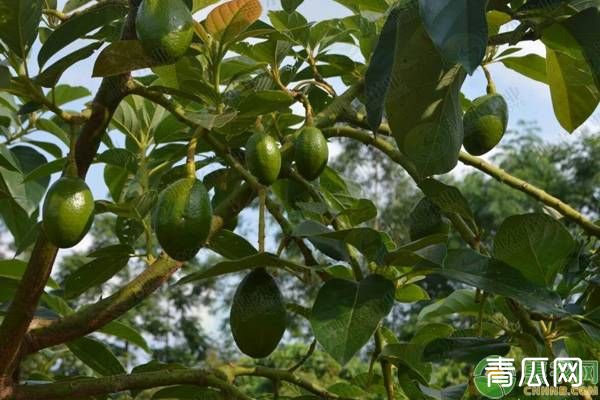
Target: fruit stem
(310, 120)
(262, 194)
(191, 154)
(71, 167)
(491, 86)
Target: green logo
(495, 376)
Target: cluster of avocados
(485, 124)
(258, 314)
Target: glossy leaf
(535, 244)
(93, 274)
(79, 25)
(50, 76)
(492, 276)
(96, 356)
(423, 106)
(231, 246)
(19, 23)
(532, 66)
(458, 28)
(460, 301)
(125, 332)
(345, 314)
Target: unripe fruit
(263, 158)
(68, 212)
(311, 153)
(165, 28)
(258, 317)
(485, 124)
(182, 219)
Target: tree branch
(532, 191)
(84, 388)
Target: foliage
(516, 273)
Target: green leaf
(532, 66)
(14, 269)
(584, 28)
(460, 301)
(47, 125)
(45, 170)
(28, 195)
(493, 276)
(19, 24)
(448, 198)
(231, 246)
(185, 392)
(259, 260)
(96, 356)
(125, 332)
(121, 57)
(50, 76)
(575, 95)
(290, 5)
(264, 102)
(357, 6)
(346, 314)
(379, 73)
(458, 28)
(372, 244)
(423, 102)
(63, 94)
(8, 159)
(120, 158)
(93, 274)
(464, 349)
(411, 293)
(79, 25)
(535, 244)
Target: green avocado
(311, 153)
(182, 218)
(258, 317)
(263, 158)
(165, 28)
(485, 124)
(426, 219)
(68, 212)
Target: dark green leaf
(448, 198)
(93, 274)
(346, 314)
(458, 28)
(231, 246)
(264, 102)
(464, 349)
(493, 276)
(19, 24)
(79, 25)
(96, 356)
(14, 269)
(535, 244)
(45, 170)
(121, 57)
(584, 28)
(423, 102)
(125, 332)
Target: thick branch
(84, 388)
(97, 315)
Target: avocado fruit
(165, 28)
(263, 158)
(311, 153)
(426, 219)
(485, 124)
(68, 212)
(258, 317)
(182, 218)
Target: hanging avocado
(311, 153)
(263, 158)
(485, 124)
(68, 211)
(165, 28)
(258, 316)
(183, 218)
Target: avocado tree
(204, 120)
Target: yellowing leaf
(230, 19)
